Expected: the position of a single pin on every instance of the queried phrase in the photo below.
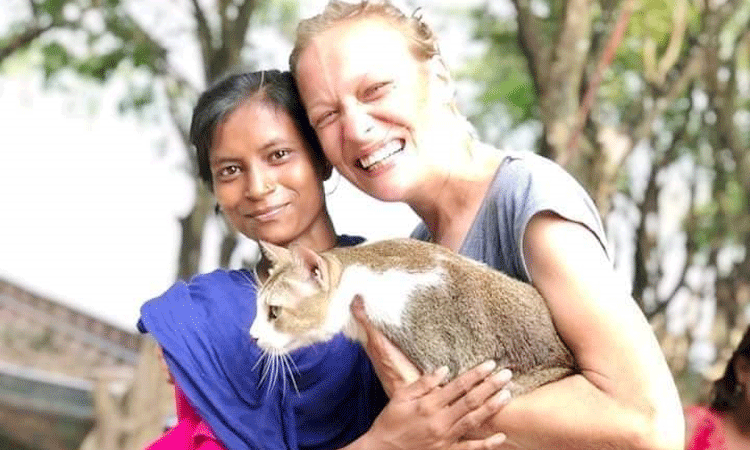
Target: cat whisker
(267, 367)
(291, 367)
(263, 356)
(249, 279)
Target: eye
(325, 119)
(227, 171)
(273, 312)
(376, 90)
(279, 155)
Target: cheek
(224, 200)
(305, 180)
(331, 147)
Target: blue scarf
(202, 327)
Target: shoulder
(210, 294)
(527, 184)
(208, 286)
(528, 175)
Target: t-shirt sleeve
(530, 184)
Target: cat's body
(438, 307)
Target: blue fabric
(202, 327)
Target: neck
(451, 200)
(320, 236)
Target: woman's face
(371, 103)
(264, 177)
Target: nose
(260, 182)
(358, 122)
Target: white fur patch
(384, 296)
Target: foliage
(676, 86)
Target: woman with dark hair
(725, 423)
(260, 158)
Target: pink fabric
(708, 433)
(190, 433)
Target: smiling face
(373, 106)
(264, 178)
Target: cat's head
(292, 304)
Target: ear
(441, 79)
(312, 262)
(273, 253)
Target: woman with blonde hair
(381, 101)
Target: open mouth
(373, 160)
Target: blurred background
(646, 102)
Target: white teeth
(378, 156)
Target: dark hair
(222, 98)
(724, 392)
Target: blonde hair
(423, 40)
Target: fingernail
(503, 376)
(488, 365)
(496, 439)
(501, 397)
(442, 371)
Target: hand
(425, 415)
(392, 367)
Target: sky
(89, 202)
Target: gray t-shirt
(524, 185)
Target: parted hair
(423, 40)
(274, 87)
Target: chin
(387, 193)
(277, 237)
(385, 190)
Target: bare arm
(625, 397)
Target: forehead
(254, 124)
(370, 44)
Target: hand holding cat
(426, 415)
(423, 413)
(393, 367)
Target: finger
(491, 443)
(481, 394)
(425, 384)
(358, 311)
(462, 384)
(473, 419)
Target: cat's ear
(312, 262)
(274, 253)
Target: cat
(438, 307)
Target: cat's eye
(273, 312)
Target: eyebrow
(272, 143)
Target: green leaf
(100, 67)
(55, 58)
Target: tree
(101, 39)
(140, 41)
(656, 81)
